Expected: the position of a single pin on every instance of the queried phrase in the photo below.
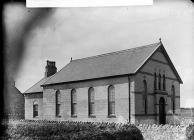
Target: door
(162, 114)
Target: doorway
(162, 114)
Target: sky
(84, 32)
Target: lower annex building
(139, 84)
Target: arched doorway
(162, 114)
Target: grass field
(78, 130)
(49, 130)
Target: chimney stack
(50, 68)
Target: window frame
(159, 82)
(35, 109)
(111, 101)
(145, 96)
(173, 98)
(164, 82)
(155, 81)
(91, 102)
(73, 103)
(58, 103)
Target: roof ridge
(116, 52)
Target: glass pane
(110, 109)
(113, 95)
(91, 109)
(92, 97)
(58, 109)
(36, 107)
(159, 82)
(58, 97)
(109, 96)
(164, 82)
(35, 110)
(89, 97)
(74, 109)
(35, 113)
(113, 108)
(74, 98)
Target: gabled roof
(118, 63)
(36, 88)
(105, 65)
(170, 63)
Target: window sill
(92, 116)
(58, 116)
(74, 116)
(112, 116)
(35, 117)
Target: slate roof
(111, 64)
(105, 65)
(37, 87)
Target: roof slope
(105, 65)
(37, 87)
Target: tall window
(58, 103)
(111, 100)
(159, 82)
(173, 98)
(91, 101)
(73, 102)
(35, 109)
(164, 82)
(155, 81)
(145, 96)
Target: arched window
(173, 98)
(73, 102)
(35, 109)
(58, 102)
(159, 82)
(111, 100)
(91, 101)
(164, 82)
(145, 96)
(155, 81)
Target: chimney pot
(50, 68)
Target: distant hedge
(190, 132)
(50, 130)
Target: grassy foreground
(49, 130)
(29, 130)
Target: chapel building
(138, 84)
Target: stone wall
(30, 99)
(157, 64)
(101, 100)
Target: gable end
(169, 62)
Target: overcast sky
(83, 32)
